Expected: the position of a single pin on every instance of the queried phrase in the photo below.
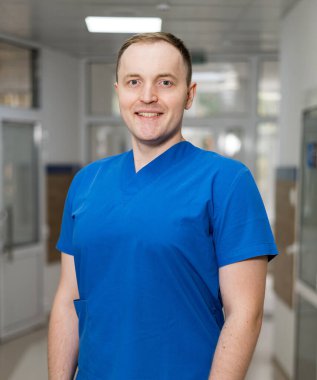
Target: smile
(148, 114)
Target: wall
(60, 106)
(60, 118)
(298, 56)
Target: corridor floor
(25, 358)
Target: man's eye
(166, 83)
(133, 82)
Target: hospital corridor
(254, 64)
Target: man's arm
(242, 288)
(63, 327)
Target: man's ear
(190, 95)
(116, 86)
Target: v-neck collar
(132, 181)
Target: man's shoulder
(105, 162)
(218, 163)
(221, 174)
(88, 172)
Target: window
(221, 89)
(107, 141)
(266, 163)
(268, 106)
(100, 90)
(223, 140)
(20, 183)
(268, 89)
(18, 76)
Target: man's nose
(148, 94)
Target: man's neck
(145, 153)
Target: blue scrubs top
(147, 248)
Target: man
(156, 241)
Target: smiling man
(154, 88)
(157, 242)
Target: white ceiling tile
(262, 13)
(210, 2)
(258, 25)
(268, 3)
(196, 27)
(193, 12)
(203, 24)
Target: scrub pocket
(218, 316)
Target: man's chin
(155, 141)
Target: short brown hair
(154, 37)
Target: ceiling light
(123, 24)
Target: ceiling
(206, 26)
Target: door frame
(301, 289)
(37, 249)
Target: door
(21, 245)
(306, 285)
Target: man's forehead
(165, 56)
(146, 48)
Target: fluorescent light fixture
(123, 24)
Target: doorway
(21, 242)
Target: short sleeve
(65, 241)
(241, 226)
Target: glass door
(308, 225)
(21, 247)
(306, 355)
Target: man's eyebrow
(169, 75)
(131, 76)
(162, 75)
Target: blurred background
(255, 64)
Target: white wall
(60, 106)
(60, 112)
(298, 56)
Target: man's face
(153, 92)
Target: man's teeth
(148, 114)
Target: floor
(25, 358)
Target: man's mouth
(149, 114)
